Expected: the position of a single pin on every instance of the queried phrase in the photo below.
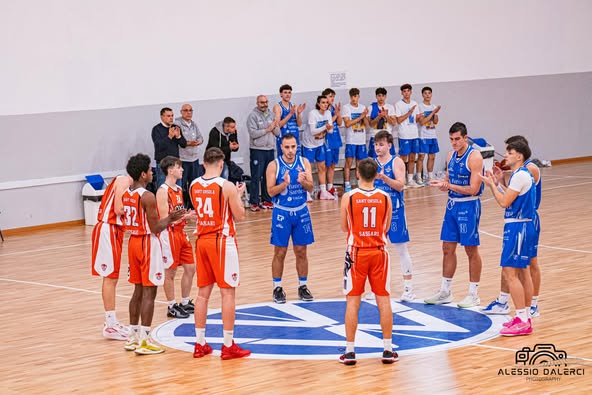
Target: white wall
(65, 55)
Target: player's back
(134, 216)
(214, 216)
(367, 216)
(107, 208)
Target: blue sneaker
(534, 311)
(496, 307)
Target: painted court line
(514, 350)
(541, 245)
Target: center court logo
(316, 330)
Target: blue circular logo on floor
(316, 330)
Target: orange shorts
(107, 242)
(176, 249)
(372, 263)
(217, 261)
(145, 260)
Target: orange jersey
(134, 218)
(367, 215)
(107, 207)
(175, 198)
(211, 206)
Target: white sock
(431, 174)
(110, 318)
(535, 301)
(388, 344)
(228, 335)
(409, 177)
(349, 347)
(404, 258)
(277, 282)
(185, 301)
(145, 332)
(200, 336)
(503, 297)
(323, 187)
(171, 302)
(474, 288)
(329, 186)
(135, 330)
(446, 285)
(347, 184)
(522, 314)
(408, 284)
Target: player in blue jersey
(518, 247)
(288, 116)
(289, 177)
(333, 141)
(500, 305)
(461, 220)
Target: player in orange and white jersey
(146, 267)
(107, 241)
(366, 217)
(217, 204)
(176, 248)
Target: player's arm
(391, 119)
(398, 184)
(443, 184)
(403, 116)
(158, 225)
(277, 111)
(162, 202)
(270, 175)
(535, 171)
(234, 195)
(389, 214)
(504, 199)
(476, 167)
(343, 212)
(307, 182)
(121, 185)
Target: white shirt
(408, 128)
(427, 131)
(387, 126)
(356, 134)
(317, 123)
(521, 182)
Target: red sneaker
(267, 205)
(233, 352)
(254, 207)
(201, 351)
(332, 191)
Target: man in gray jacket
(189, 155)
(263, 130)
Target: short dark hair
(380, 91)
(517, 137)
(367, 168)
(521, 147)
(165, 109)
(319, 98)
(169, 161)
(384, 135)
(458, 127)
(327, 92)
(426, 88)
(287, 136)
(285, 87)
(138, 164)
(406, 86)
(228, 120)
(354, 92)
(213, 155)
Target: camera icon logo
(541, 354)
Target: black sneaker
(176, 311)
(349, 358)
(279, 296)
(389, 357)
(304, 294)
(189, 307)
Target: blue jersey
(538, 185)
(524, 205)
(389, 171)
(291, 126)
(295, 194)
(333, 140)
(460, 174)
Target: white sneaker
(413, 184)
(115, 332)
(419, 182)
(308, 197)
(370, 296)
(469, 301)
(408, 295)
(439, 298)
(326, 195)
(146, 347)
(132, 343)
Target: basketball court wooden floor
(52, 312)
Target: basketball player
(288, 116)
(217, 204)
(381, 117)
(406, 111)
(176, 248)
(107, 242)
(428, 140)
(366, 217)
(289, 177)
(500, 305)
(146, 268)
(519, 200)
(355, 120)
(390, 179)
(333, 141)
(461, 220)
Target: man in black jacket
(223, 136)
(167, 139)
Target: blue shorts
(398, 232)
(372, 152)
(536, 221)
(297, 224)
(314, 154)
(357, 151)
(461, 222)
(331, 156)
(518, 245)
(428, 146)
(408, 146)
